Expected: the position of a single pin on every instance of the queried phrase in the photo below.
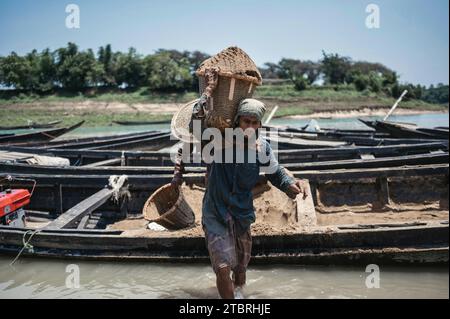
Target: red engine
(11, 206)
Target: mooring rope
(9, 178)
(26, 244)
(117, 184)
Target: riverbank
(104, 113)
(363, 113)
(102, 109)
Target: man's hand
(177, 180)
(298, 187)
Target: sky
(412, 38)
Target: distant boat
(30, 126)
(141, 122)
(406, 130)
(40, 136)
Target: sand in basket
(238, 77)
(168, 207)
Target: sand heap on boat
(333, 203)
(275, 213)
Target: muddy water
(37, 278)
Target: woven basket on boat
(180, 122)
(168, 207)
(237, 77)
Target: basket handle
(204, 104)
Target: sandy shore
(362, 112)
(114, 108)
(99, 107)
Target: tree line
(338, 71)
(75, 70)
(72, 69)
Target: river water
(424, 120)
(36, 278)
(39, 278)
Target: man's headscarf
(250, 107)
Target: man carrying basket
(227, 81)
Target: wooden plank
(383, 192)
(107, 162)
(306, 212)
(79, 211)
(83, 222)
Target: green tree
(130, 69)
(47, 71)
(106, 60)
(2, 75)
(16, 72)
(293, 69)
(335, 68)
(436, 95)
(300, 83)
(164, 73)
(375, 81)
(270, 71)
(196, 58)
(361, 81)
(77, 70)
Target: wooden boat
(141, 122)
(45, 135)
(143, 141)
(79, 141)
(158, 158)
(439, 133)
(368, 141)
(404, 130)
(302, 143)
(31, 126)
(74, 215)
(140, 166)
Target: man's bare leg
(239, 279)
(224, 283)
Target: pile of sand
(275, 214)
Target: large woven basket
(180, 123)
(168, 207)
(237, 78)
(225, 100)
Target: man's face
(250, 123)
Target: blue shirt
(229, 189)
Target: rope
(9, 178)
(26, 244)
(48, 135)
(117, 184)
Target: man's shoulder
(264, 144)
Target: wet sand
(276, 215)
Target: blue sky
(413, 37)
